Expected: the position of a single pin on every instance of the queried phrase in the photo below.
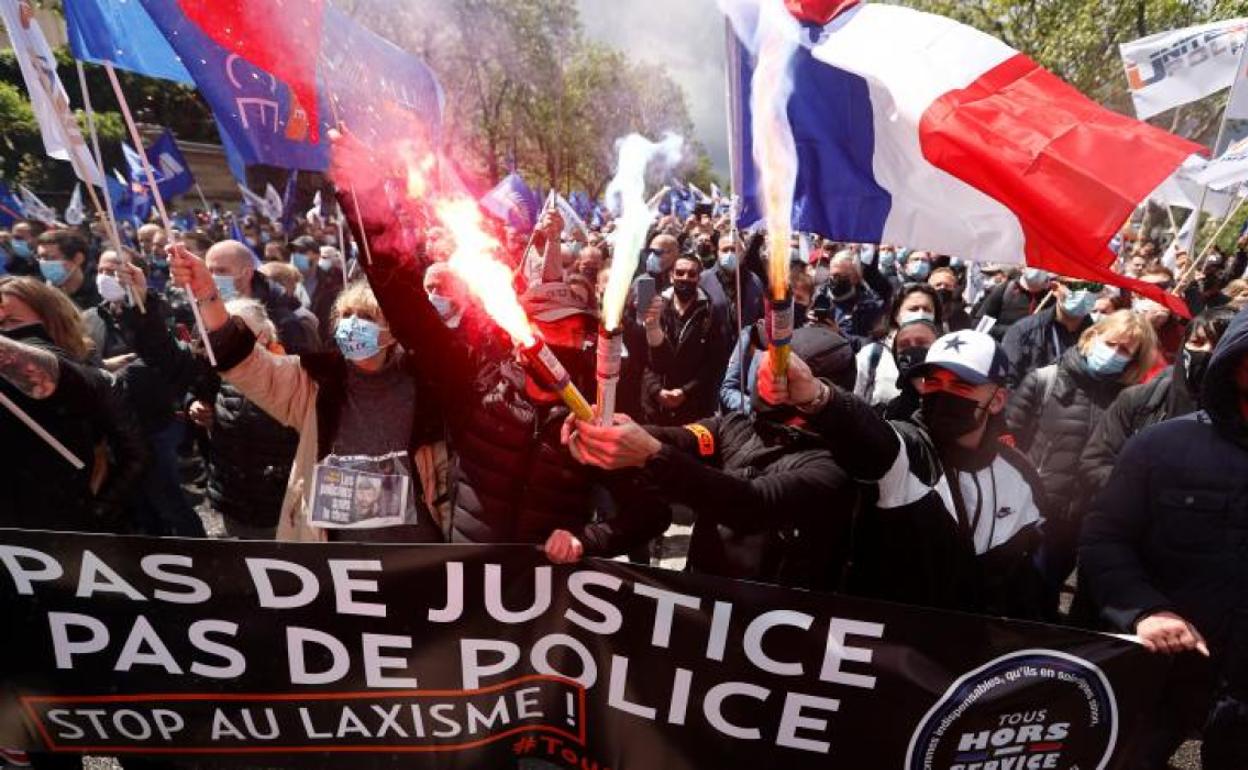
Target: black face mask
(706, 250)
(947, 298)
(1195, 364)
(685, 290)
(949, 417)
(840, 287)
(908, 359)
(799, 314)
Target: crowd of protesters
(980, 437)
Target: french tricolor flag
(915, 130)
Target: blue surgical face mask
(1035, 277)
(1105, 361)
(325, 263)
(443, 305)
(918, 270)
(654, 265)
(300, 261)
(160, 262)
(1078, 303)
(21, 249)
(226, 287)
(888, 259)
(54, 271)
(358, 338)
(728, 261)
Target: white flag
(264, 205)
(571, 220)
(75, 214)
(61, 138)
(1183, 188)
(273, 203)
(35, 208)
(1173, 68)
(1228, 169)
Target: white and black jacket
(956, 529)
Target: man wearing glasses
(1042, 338)
(956, 522)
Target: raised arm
(394, 273)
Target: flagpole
(735, 196)
(110, 222)
(355, 201)
(41, 432)
(202, 199)
(1187, 274)
(524, 255)
(156, 196)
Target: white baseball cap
(972, 356)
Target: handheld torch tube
(610, 351)
(780, 335)
(544, 367)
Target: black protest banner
(466, 656)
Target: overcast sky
(686, 37)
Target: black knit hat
(827, 353)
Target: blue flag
(254, 110)
(129, 204)
(514, 202)
(123, 34)
(368, 78)
(173, 173)
(11, 208)
(374, 85)
(288, 201)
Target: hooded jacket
(1170, 529)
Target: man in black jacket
(686, 347)
(956, 521)
(1014, 300)
(771, 503)
(1165, 551)
(1173, 393)
(1042, 338)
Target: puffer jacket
(511, 479)
(1139, 406)
(1170, 529)
(250, 460)
(1052, 425)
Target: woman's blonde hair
(60, 317)
(357, 299)
(1135, 327)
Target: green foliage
(525, 87)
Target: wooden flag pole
(110, 221)
(160, 201)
